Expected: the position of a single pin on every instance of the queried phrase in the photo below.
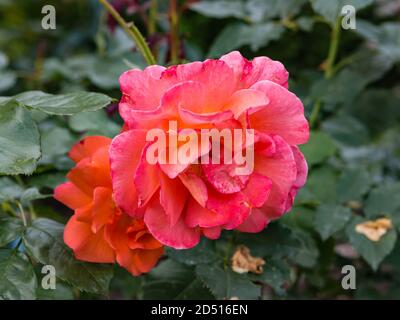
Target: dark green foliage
(54, 85)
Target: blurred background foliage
(348, 81)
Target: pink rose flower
(181, 202)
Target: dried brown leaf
(243, 261)
(374, 229)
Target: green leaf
(276, 274)
(44, 241)
(305, 23)
(371, 63)
(385, 38)
(383, 200)
(275, 241)
(95, 123)
(331, 9)
(235, 36)
(260, 10)
(372, 252)
(364, 109)
(74, 69)
(105, 72)
(101, 71)
(343, 88)
(32, 194)
(320, 187)
(225, 284)
(393, 259)
(48, 180)
(203, 253)
(17, 277)
(346, 130)
(3, 60)
(319, 148)
(61, 292)
(124, 286)
(7, 80)
(353, 184)
(173, 280)
(220, 8)
(9, 190)
(19, 140)
(55, 142)
(253, 10)
(307, 253)
(299, 217)
(10, 229)
(63, 104)
(329, 219)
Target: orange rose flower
(99, 231)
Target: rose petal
(245, 99)
(282, 170)
(194, 144)
(87, 147)
(255, 222)
(87, 246)
(125, 154)
(284, 114)
(231, 207)
(196, 186)
(198, 216)
(178, 236)
(261, 68)
(147, 179)
(216, 76)
(189, 117)
(212, 233)
(257, 190)
(302, 170)
(103, 208)
(173, 195)
(71, 196)
(144, 88)
(223, 177)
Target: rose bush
(259, 234)
(180, 202)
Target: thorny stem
(329, 68)
(333, 49)
(315, 112)
(132, 32)
(22, 214)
